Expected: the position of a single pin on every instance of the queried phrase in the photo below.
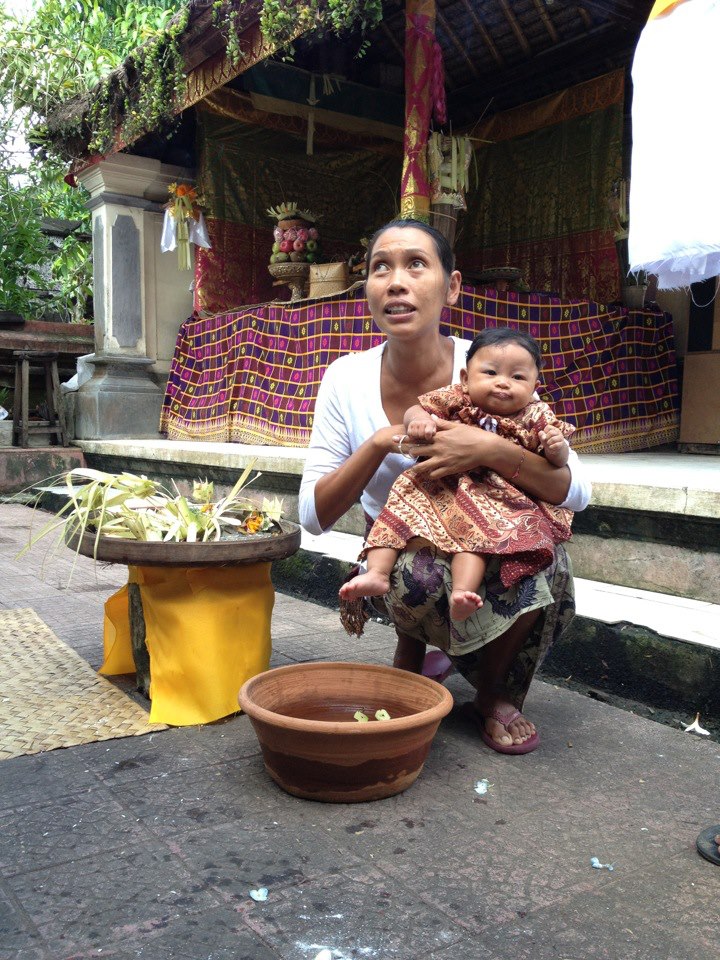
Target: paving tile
(27, 780)
(599, 926)
(174, 828)
(359, 913)
(337, 645)
(519, 865)
(63, 829)
(213, 795)
(214, 934)
(107, 897)
(19, 939)
(180, 750)
(233, 860)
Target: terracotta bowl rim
(429, 715)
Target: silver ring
(400, 443)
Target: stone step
(653, 529)
(22, 468)
(625, 645)
(639, 646)
(693, 621)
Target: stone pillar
(140, 298)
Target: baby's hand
(421, 430)
(555, 446)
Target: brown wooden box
(700, 410)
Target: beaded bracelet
(517, 469)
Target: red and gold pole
(419, 40)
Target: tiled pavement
(148, 847)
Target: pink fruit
(299, 245)
(290, 234)
(286, 246)
(302, 234)
(278, 234)
(313, 234)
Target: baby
(476, 515)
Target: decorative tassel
(354, 615)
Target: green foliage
(23, 248)
(67, 47)
(61, 50)
(97, 72)
(86, 75)
(27, 258)
(281, 20)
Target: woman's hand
(455, 448)
(458, 448)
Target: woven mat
(50, 697)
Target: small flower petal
(695, 727)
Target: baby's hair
(442, 247)
(500, 336)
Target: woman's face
(406, 286)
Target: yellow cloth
(663, 6)
(207, 632)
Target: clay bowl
(315, 749)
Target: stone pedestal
(123, 399)
(140, 297)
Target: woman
(357, 449)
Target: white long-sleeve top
(349, 410)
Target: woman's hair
(442, 247)
(499, 336)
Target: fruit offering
(296, 238)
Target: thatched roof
(496, 53)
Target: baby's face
(501, 379)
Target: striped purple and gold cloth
(252, 375)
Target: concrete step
(632, 641)
(693, 621)
(23, 468)
(639, 646)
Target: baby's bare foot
(463, 603)
(370, 584)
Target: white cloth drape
(197, 233)
(675, 183)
